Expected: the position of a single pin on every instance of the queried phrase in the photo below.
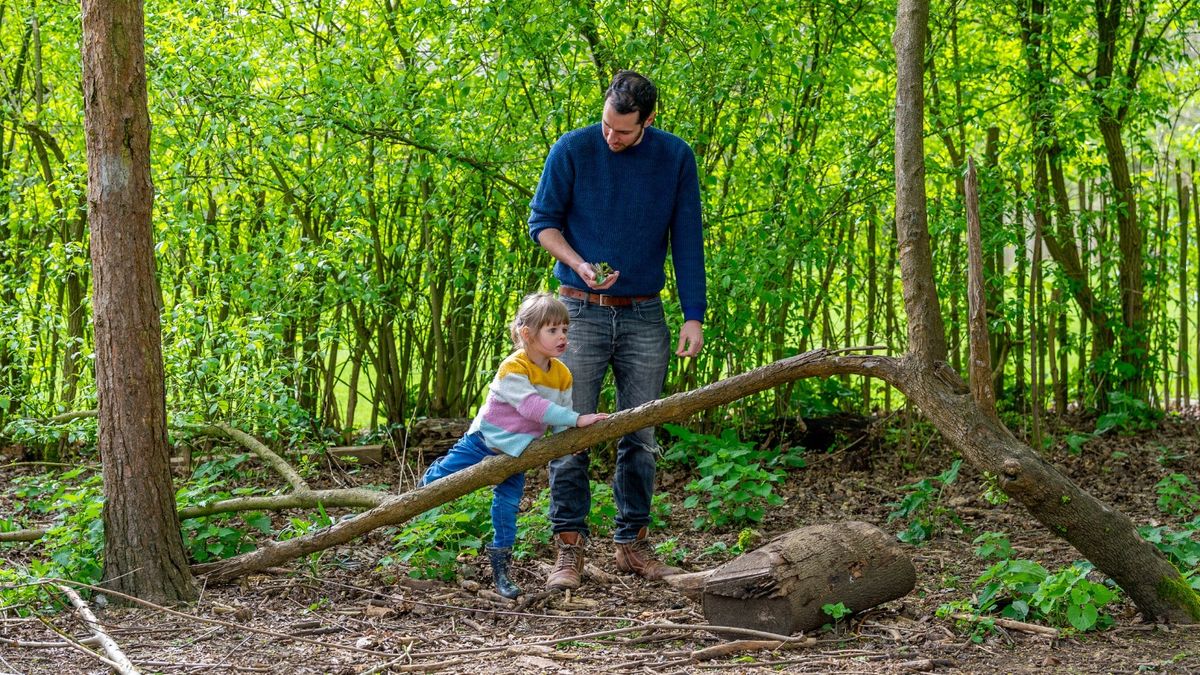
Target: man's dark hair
(631, 92)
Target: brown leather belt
(603, 300)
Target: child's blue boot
(501, 558)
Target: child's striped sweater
(522, 402)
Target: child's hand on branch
(589, 419)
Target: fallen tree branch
(116, 657)
(268, 456)
(31, 534)
(400, 508)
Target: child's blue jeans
(506, 497)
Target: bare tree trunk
(143, 548)
(1183, 388)
(980, 347)
(926, 331)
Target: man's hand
(691, 338)
(588, 274)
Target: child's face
(549, 340)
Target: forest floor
(345, 613)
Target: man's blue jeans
(506, 497)
(635, 342)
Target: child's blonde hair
(537, 310)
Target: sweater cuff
(694, 314)
(560, 416)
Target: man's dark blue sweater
(625, 208)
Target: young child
(531, 391)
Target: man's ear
(649, 120)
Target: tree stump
(781, 586)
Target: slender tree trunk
(926, 331)
(1036, 364)
(991, 221)
(1019, 395)
(143, 548)
(1183, 389)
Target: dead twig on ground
(110, 646)
(1009, 624)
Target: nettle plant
(737, 480)
(923, 506)
(1025, 591)
(1177, 497)
(220, 535)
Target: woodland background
(341, 195)
(342, 191)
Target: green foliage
(221, 535)
(73, 548)
(923, 506)
(993, 545)
(1025, 591)
(1177, 495)
(836, 612)
(821, 397)
(432, 542)
(1127, 415)
(671, 551)
(736, 482)
(747, 539)
(1181, 547)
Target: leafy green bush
(924, 508)
(736, 481)
(221, 535)
(1127, 415)
(1026, 591)
(74, 544)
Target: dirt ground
(345, 614)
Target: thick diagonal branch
(398, 509)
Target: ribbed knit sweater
(626, 208)
(522, 402)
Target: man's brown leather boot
(569, 567)
(638, 557)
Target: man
(619, 192)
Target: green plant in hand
(602, 270)
(736, 480)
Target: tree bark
(980, 346)
(143, 548)
(926, 332)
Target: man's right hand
(588, 274)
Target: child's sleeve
(512, 386)
(569, 402)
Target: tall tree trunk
(926, 331)
(1183, 388)
(1111, 98)
(143, 548)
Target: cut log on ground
(782, 586)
